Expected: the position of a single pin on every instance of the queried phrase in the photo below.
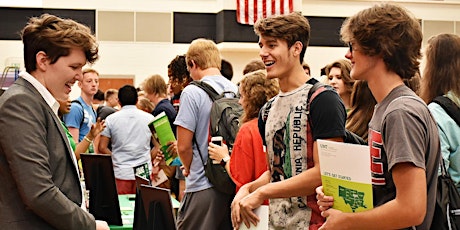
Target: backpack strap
(207, 88)
(82, 111)
(314, 91)
(263, 115)
(198, 147)
(450, 107)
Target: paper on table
(262, 213)
(346, 175)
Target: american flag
(248, 11)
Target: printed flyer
(346, 175)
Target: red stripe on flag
(246, 11)
(281, 6)
(264, 8)
(238, 11)
(273, 7)
(255, 16)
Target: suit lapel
(57, 121)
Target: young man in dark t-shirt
(293, 173)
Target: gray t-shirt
(403, 130)
(194, 113)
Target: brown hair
(257, 90)
(144, 104)
(345, 67)
(291, 28)
(414, 82)
(389, 31)
(56, 36)
(362, 109)
(253, 65)
(110, 92)
(155, 84)
(442, 69)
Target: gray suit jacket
(39, 182)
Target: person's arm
(104, 145)
(82, 146)
(75, 132)
(96, 129)
(407, 209)
(218, 153)
(184, 147)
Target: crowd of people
(378, 93)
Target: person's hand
(247, 206)
(172, 148)
(102, 225)
(96, 128)
(185, 171)
(159, 159)
(235, 214)
(335, 219)
(217, 152)
(324, 202)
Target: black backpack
(447, 209)
(83, 112)
(224, 121)
(314, 91)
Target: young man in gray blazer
(38, 170)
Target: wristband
(226, 159)
(87, 139)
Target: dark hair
(178, 70)
(56, 37)
(99, 95)
(127, 95)
(305, 66)
(291, 28)
(226, 69)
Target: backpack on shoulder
(82, 110)
(447, 209)
(224, 122)
(314, 91)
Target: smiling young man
(385, 43)
(293, 173)
(38, 170)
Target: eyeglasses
(350, 46)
